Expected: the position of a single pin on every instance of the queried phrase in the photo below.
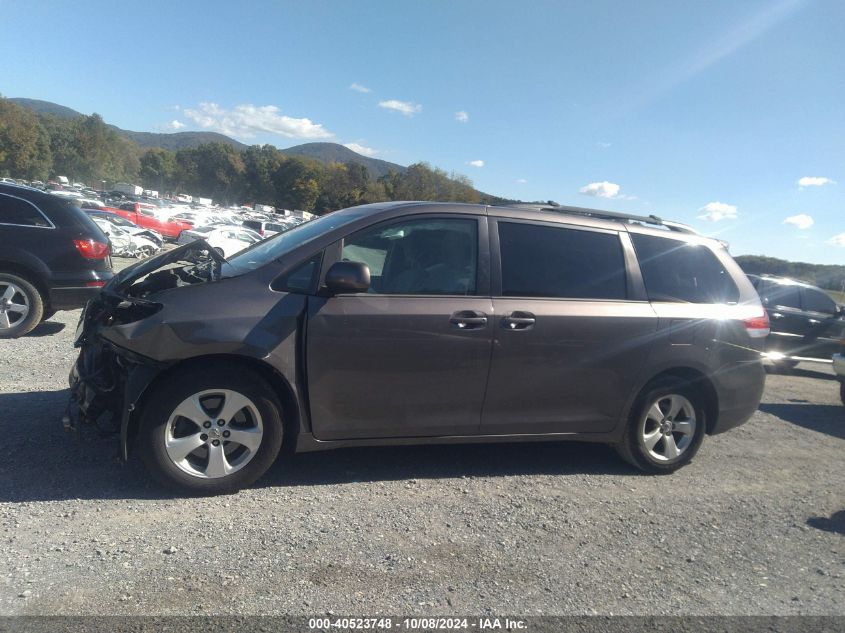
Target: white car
(226, 240)
(124, 243)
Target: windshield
(273, 248)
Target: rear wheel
(21, 306)
(211, 431)
(666, 428)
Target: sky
(728, 116)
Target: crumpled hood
(131, 274)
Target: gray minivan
(415, 322)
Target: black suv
(806, 324)
(52, 257)
(403, 323)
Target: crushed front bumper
(106, 386)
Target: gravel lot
(754, 526)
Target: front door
(410, 357)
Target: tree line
(827, 276)
(41, 146)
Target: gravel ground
(753, 526)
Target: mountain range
(174, 141)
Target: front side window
(679, 271)
(16, 211)
(539, 260)
(418, 257)
(817, 301)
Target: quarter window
(418, 257)
(547, 261)
(16, 211)
(680, 271)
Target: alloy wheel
(14, 305)
(667, 428)
(213, 433)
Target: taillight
(95, 284)
(757, 327)
(91, 249)
(261, 232)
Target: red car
(142, 215)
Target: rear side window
(783, 295)
(547, 261)
(817, 301)
(16, 211)
(678, 271)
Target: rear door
(570, 334)
(824, 327)
(789, 325)
(410, 357)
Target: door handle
(813, 321)
(468, 320)
(518, 321)
(777, 315)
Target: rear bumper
(72, 292)
(839, 365)
(72, 298)
(739, 388)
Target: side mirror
(345, 277)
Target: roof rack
(608, 215)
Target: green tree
(158, 169)
(297, 183)
(24, 143)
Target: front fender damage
(108, 380)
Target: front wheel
(665, 429)
(211, 431)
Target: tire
(644, 426)
(219, 251)
(49, 313)
(258, 421)
(21, 306)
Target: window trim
(634, 288)
(34, 206)
(482, 274)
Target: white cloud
(716, 211)
(361, 149)
(405, 107)
(601, 189)
(815, 181)
(359, 88)
(461, 116)
(837, 240)
(476, 163)
(802, 220)
(247, 120)
(175, 125)
(521, 181)
(603, 144)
